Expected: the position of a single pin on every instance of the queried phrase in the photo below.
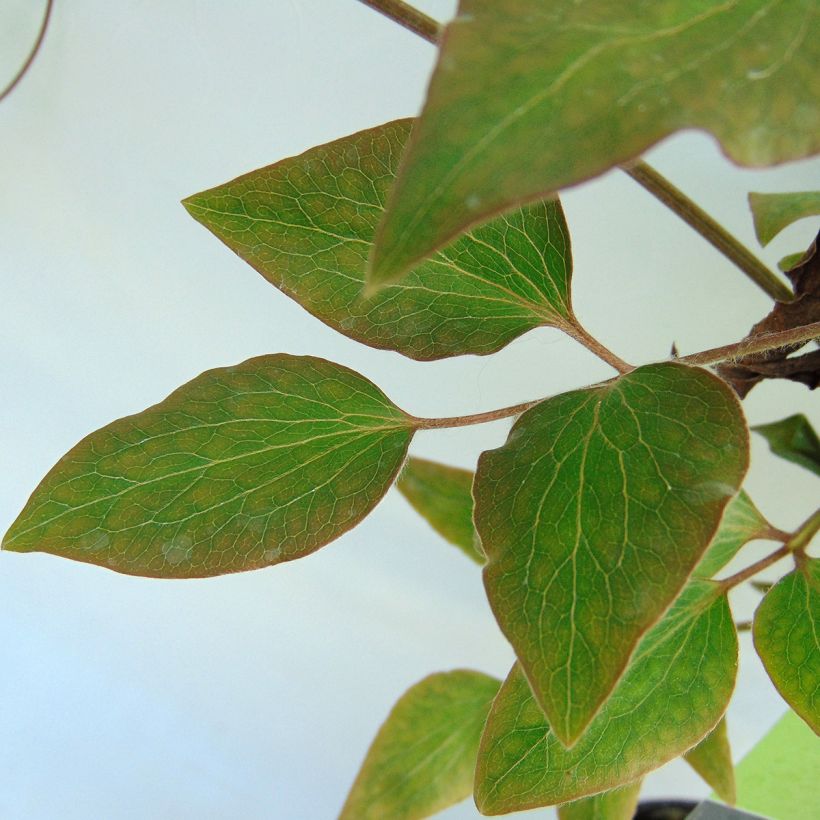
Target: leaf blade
(774, 212)
(177, 490)
(785, 631)
(617, 804)
(306, 225)
(674, 693)
(793, 439)
(423, 757)
(712, 760)
(596, 84)
(572, 512)
(443, 496)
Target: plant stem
(477, 418)
(403, 14)
(755, 344)
(694, 216)
(577, 332)
(753, 569)
(802, 536)
(31, 55)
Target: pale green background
(255, 696)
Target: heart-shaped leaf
(786, 629)
(241, 468)
(423, 758)
(617, 804)
(774, 212)
(742, 522)
(712, 760)
(443, 495)
(794, 439)
(307, 223)
(674, 693)
(530, 97)
(594, 514)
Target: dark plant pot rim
(670, 809)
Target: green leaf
(530, 97)
(241, 468)
(712, 760)
(307, 223)
(594, 514)
(443, 495)
(794, 439)
(617, 804)
(786, 633)
(742, 522)
(774, 212)
(424, 756)
(673, 694)
(790, 260)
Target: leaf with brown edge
(712, 760)
(594, 514)
(307, 224)
(786, 629)
(529, 97)
(616, 804)
(241, 468)
(674, 693)
(443, 496)
(774, 212)
(423, 758)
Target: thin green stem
(694, 216)
(753, 569)
(755, 344)
(802, 536)
(405, 15)
(15, 81)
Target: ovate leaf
(529, 97)
(712, 760)
(787, 637)
(443, 495)
(794, 439)
(307, 223)
(742, 522)
(773, 212)
(424, 756)
(594, 514)
(241, 468)
(617, 804)
(674, 693)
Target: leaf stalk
(753, 569)
(405, 15)
(803, 535)
(714, 233)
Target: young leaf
(241, 468)
(786, 629)
(307, 223)
(673, 694)
(712, 760)
(424, 756)
(617, 804)
(594, 514)
(530, 97)
(774, 212)
(742, 522)
(794, 439)
(443, 495)
(790, 260)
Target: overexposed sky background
(256, 695)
